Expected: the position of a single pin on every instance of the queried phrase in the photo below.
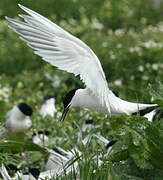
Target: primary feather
(63, 50)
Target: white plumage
(40, 139)
(17, 121)
(151, 116)
(48, 108)
(18, 175)
(68, 53)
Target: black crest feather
(25, 109)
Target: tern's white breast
(48, 108)
(16, 121)
(85, 99)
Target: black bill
(65, 111)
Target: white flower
(134, 49)
(112, 56)
(119, 46)
(140, 68)
(118, 82)
(145, 78)
(155, 67)
(96, 24)
(119, 32)
(152, 44)
(131, 49)
(4, 93)
(149, 44)
(104, 44)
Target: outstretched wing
(63, 50)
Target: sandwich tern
(18, 118)
(32, 174)
(48, 107)
(68, 53)
(41, 137)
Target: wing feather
(63, 50)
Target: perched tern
(32, 174)
(107, 143)
(68, 53)
(48, 107)
(87, 125)
(18, 118)
(58, 158)
(41, 137)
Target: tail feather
(146, 110)
(119, 106)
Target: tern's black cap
(12, 167)
(111, 143)
(59, 152)
(48, 97)
(44, 132)
(67, 99)
(89, 122)
(25, 109)
(35, 172)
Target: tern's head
(25, 109)
(89, 122)
(41, 137)
(49, 99)
(12, 167)
(67, 102)
(110, 143)
(35, 172)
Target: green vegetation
(127, 37)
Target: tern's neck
(79, 97)
(84, 98)
(50, 102)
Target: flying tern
(68, 53)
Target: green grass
(127, 38)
